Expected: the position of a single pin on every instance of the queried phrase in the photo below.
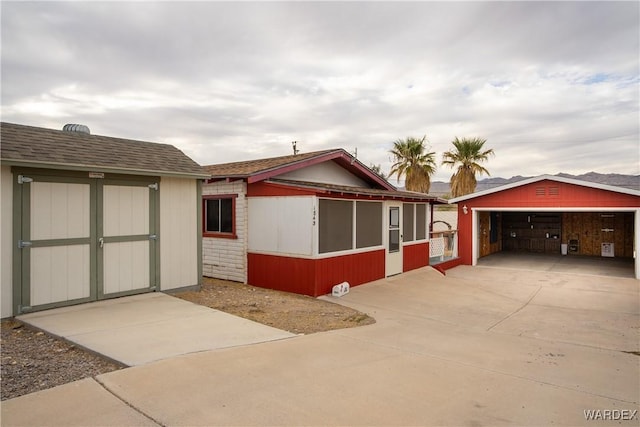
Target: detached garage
(552, 215)
(88, 217)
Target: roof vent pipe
(70, 127)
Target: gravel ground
(32, 360)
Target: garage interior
(575, 240)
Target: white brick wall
(227, 258)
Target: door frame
(393, 259)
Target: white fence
(443, 245)
(436, 247)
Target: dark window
(394, 229)
(407, 222)
(368, 224)
(335, 222)
(219, 215)
(421, 221)
(493, 226)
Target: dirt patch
(294, 313)
(33, 360)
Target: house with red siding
(552, 215)
(306, 222)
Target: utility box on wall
(608, 250)
(574, 246)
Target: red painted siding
(415, 256)
(551, 194)
(465, 226)
(314, 277)
(356, 269)
(447, 265)
(267, 189)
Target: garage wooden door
(83, 239)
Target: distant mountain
(440, 188)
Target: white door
(58, 242)
(394, 239)
(125, 239)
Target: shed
(306, 222)
(87, 217)
(552, 215)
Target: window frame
(219, 234)
(326, 242)
(359, 241)
(417, 226)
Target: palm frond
(467, 156)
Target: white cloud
(552, 86)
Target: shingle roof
(259, 170)
(40, 147)
(251, 167)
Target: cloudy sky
(553, 87)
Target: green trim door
(127, 237)
(55, 244)
(81, 239)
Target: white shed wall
(178, 233)
(326, 173)
(227, 258)
(282, 225)
(6, 238)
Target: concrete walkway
(145, 328)
(480, 346)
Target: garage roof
(548, 178)
(56, 149)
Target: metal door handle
(101, 242)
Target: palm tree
(468, 155)
(377, 169)
(412, 162)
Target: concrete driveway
(145, 328)
(481, 346)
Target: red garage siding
(314, 277)
(552, 194)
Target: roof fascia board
(290, 167)
(91, 168)
(543, 178)
(391, 196)
(556, 209)
(210, 180)
(357, 164)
